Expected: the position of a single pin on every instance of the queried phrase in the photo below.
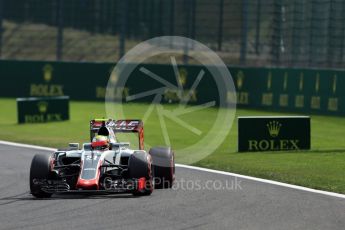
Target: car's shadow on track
(27, 197)
(87, 196)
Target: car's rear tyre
(163, 166)
(140, 166)
(39, 170)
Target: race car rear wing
(131, 126)
(119, 126)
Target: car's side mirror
(73, 146)
(87, 146)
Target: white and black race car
(104, 167)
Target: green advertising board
(296, 90)
(282, 89)
(273, 133)
(50, 79)
(42, 109)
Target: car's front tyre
(39, 170)
(140, 169)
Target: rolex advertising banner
(303, 91)
(81, 81)
(265, 133)
(42, 109)
(297, 90)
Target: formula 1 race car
(104, 165)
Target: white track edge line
(297, 187)
(15, 144)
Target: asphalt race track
(245, 205)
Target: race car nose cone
(87, 184)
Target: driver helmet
(100, 142)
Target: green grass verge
(322, 168)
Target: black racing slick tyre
(163, 166)
(140, 166)
(39, 170)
